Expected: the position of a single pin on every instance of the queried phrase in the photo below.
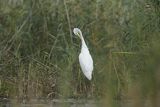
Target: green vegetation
(39, 53)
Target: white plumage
(85, 58)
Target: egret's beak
(78, 34)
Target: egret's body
(85, 58)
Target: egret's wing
(86, 64)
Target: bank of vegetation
(39, 53)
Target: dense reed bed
(39, 53)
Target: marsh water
(73, 103)
(49, 103)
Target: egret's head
(77, 32)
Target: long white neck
(83, 42)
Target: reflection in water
(71, 103)
(49, 103)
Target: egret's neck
(83, 43)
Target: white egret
(85, 58)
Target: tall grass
(39, 53)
